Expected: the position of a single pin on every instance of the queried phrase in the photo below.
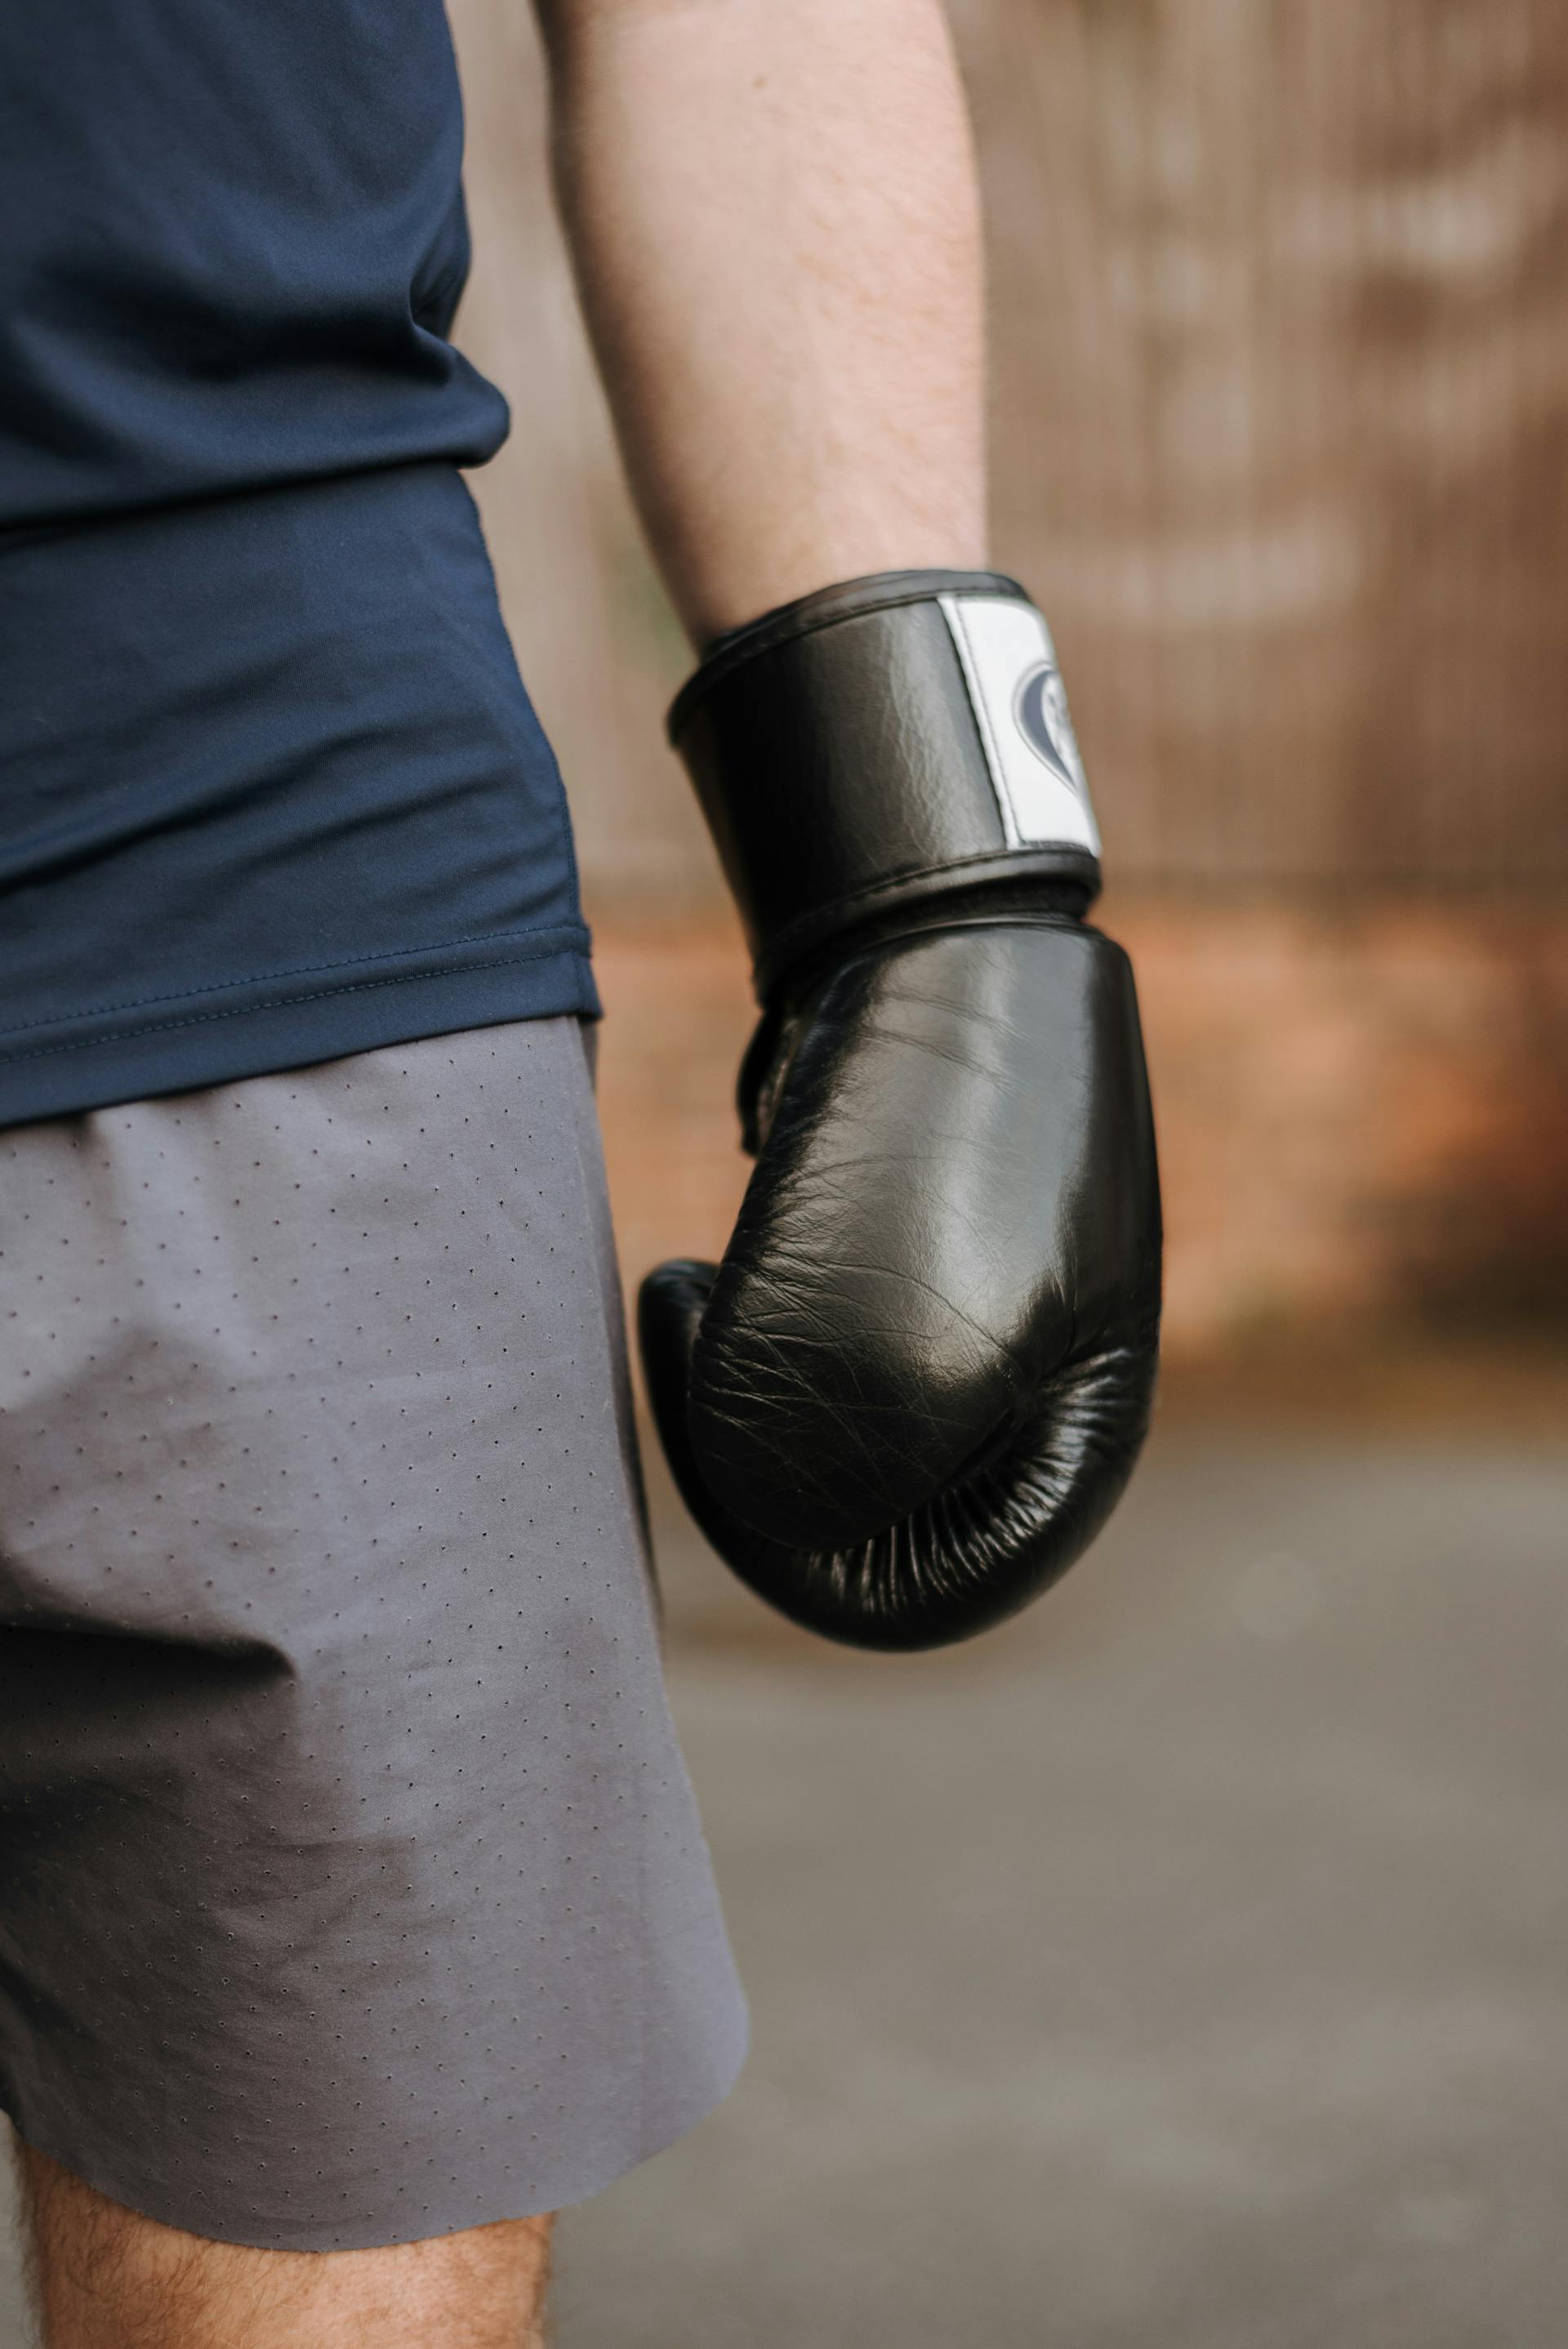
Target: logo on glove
(1040, 712)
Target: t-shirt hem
(212, 1039)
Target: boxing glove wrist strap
(882, 745)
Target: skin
(105, 2277)
(772, 215)
(773, 210)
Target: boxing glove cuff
(882, 745)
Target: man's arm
(912, 1391)
(772, 213)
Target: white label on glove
(1010, 664)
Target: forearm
(772, 215)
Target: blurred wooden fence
(1281, 301)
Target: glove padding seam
(820, 924)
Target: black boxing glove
(916, 1386)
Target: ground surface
(1185, 1968)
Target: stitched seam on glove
(1006, 864)
(850, 600)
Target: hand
(917, 1385)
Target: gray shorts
(351, 1889)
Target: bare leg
(106, 2278)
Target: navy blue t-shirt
(271, 788)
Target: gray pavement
(1181, 1968)
(1185, 1968)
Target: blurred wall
(1280, 296)
(1281, 318)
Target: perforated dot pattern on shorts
(356, 1829)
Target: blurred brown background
(1281, 314)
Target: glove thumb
(670, 1306)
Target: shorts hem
(494, 2207)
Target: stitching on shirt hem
(565, 934)
(279, 1003)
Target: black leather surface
(865, 784)
(917, 1384)
(878, 590)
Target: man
(355, 1912)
